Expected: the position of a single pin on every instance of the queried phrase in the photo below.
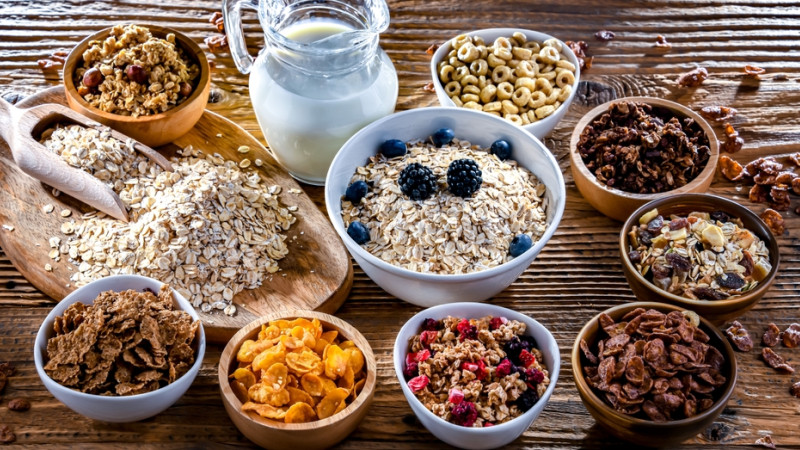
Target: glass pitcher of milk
(320, 78)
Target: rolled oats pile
(210, 229)
(446, 233)
(707, 256)
(133, 73)
(475, 372)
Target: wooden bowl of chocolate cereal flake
(617, 173)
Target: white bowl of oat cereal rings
(441, 205)
(476, 375)
(527, 77)
(120, 349)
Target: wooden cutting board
(317, 274)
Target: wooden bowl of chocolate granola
(629, 151)
(148, 82)
(701, 252)
(661, 376)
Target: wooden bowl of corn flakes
(297, 378)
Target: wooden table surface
(577, 275)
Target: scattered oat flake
(765, 441)
(48, 208)
(219, 135)
(295, 191)
(8, 227)
(693, 78)
(661, 42)
(48, 268)
(243, 149)
(604, 35)
(258, 162)
(66, 213)
(432, 49)
(245, 163)
(428, 87)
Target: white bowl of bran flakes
(118, 408)
(424, 288)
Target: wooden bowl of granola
(671, 425)
(150, 83)
(746, 245)
(598, 136)
(285, 426)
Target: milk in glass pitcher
(320, 78)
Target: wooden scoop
(20, 129)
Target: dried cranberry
(496, 322)
(526, 358)
(422, 355)
(430, 325)
(455, 396)
(487, 424)
(418, 383)
(504, 368)
(426, 338)
(467, 330)
(464, 414)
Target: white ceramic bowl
(106, 408)
(540, 128)
(426, 289)
(476, 438)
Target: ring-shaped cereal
(492, 107)
(482, 82)
(526, 69)
(564, 64)
(461, 72)
(503, 42)
(521, 96)
(460, 40)
(531, 116)
(538, 99)
(488, 93)
(547, 75)
(494, 61)
(501, 74)
(453, 60)
(457, 101)
(549, 55)
(513, 118)
(467, 98)
(478, 41)
(533, 46)
(509, 107)
(505, 90)
(565, 78)
(520, 37)
(452, 88)
(479, 67)
(469, 79)
(552, 97)
(543, 85)
(545, 111)
(473, 105)
(526, 82)
(553, 42)
(446, 73)
(565, 92)
(468, 52)
(523, 54)
(503, 53)
(471, 89)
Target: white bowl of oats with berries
(439, 205)
(476, 375)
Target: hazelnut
(136, 73)
(83, 91)
(185, 89)
(92, 77)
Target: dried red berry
(430, 324)
(467, 330)
(534, 375)
(526, 358)
(504, 368)
(418, 383)
(422, 355)
(496, 322)
(471, 366)
(464, 414)
(455, 396)
(487, 424)
(426, 338)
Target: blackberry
(519, 245)
(417, 181)
(464, 177)
(464, 414)
(356, 191)
(501, 148)
(359, 232)
(430, 324)
(527, 399)
(512, 349)
(442, 136)
(393, 147)
(528, 342)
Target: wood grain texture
(577, 274)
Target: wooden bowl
(716, 311)
(647, 432)
(310, 435)
(619, 204)
(152, 130)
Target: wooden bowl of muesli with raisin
(148, 82)
(701, 252)
(629, 151)
(476, 375)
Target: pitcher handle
(232, 15)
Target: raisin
(747, 262)
(730, 280)
(645, 237)
(771, 336)
(677, 224)
(679, 263)
(655, 225)
(720, 216)
(19, 405)
(635, 256)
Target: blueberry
(501, 148)
(359, 232)
(442, 136)
(356, 191)
(519, 245)
(393, 147)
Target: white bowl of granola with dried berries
(476, 375)
(440, 205)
